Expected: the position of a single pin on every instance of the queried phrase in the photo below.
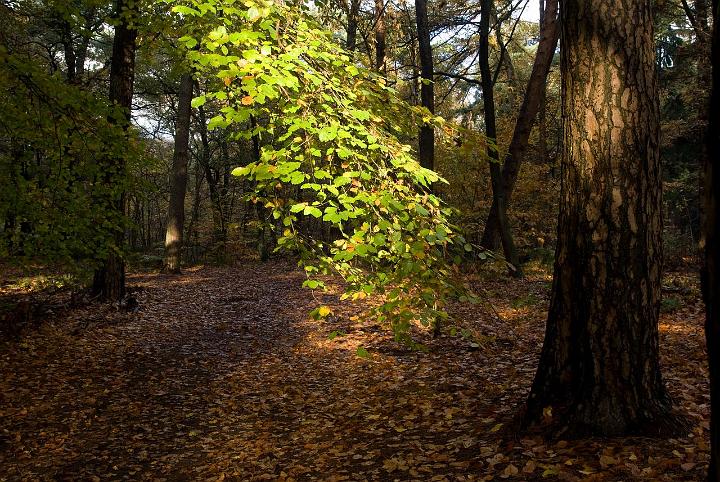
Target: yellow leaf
(247, 100)
(529, 467)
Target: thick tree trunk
(380, 36)
(426, 141)
(491, 132)
(534, 93)
(599, 370)
(711, 269)
(109, 278)
(178, 178)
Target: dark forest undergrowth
(219, 374)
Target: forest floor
(219, 374)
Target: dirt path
(220, 375)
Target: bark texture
(109, 278)
(426, 141)
(599, 369)
(711, 269)
(534, 97)
(178, 178)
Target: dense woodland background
(436, 169)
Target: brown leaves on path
(221, 375)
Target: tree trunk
(178, 178)
(426, 141)
(549, 34)
(380, 36)
(191, 232)
(214, 189)
(711, 268)
(491, 133)
(69, 52)
(542, 108)
(352, 25)
(599, 370)
(109, 278)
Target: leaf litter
(222, 375)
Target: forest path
(221, 375)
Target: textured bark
(109, 278)
(491, 132)
(178, 178)
(599, 368)
(534, 94)
(380, 36)
(711, 268)
(426, 141)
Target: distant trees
(711, 268)
(599, 369)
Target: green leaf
(312, 211)
(198, 101)
(363, 353)
(296, 208)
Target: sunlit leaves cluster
(331, 153)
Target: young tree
(599, 368)
(178, 178)
(491, 133)
(109, 278)
(380, 36)
(426, 142)
(534, 96)
(353, 12)
(711, 269)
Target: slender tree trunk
(214, 189)
(197, 197)
(549, 34)
(711, 268)
(380, 36)
(599, 370)
(542, 109)
(109, 278)
(263, 244)
(352, 25)
(426, 142)
(491, 132)
(178, 178)
(69, 52)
